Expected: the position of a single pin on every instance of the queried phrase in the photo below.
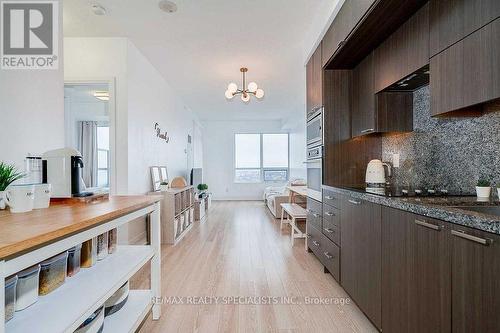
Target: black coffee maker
(77, 185)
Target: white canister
(20, 198)
(42, 196)
(27, 287)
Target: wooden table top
(300, 190)
(24, 231)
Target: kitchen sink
(490, 210)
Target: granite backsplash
(450, 153)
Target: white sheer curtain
(87, 145)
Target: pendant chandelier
(245, 92)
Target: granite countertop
(441, 208)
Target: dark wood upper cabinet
(467, 73)
(405, 51)
(475, 281)
(363, 102)
(361, 255)
(349, 15)
(314, 81)
(416, 281)
(453, 20)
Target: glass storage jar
(74, 255)
(27, 287)
(88, 254)
(52, 273)
(112, 240)
(102, 246)
(10, 297)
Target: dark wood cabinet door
(361, 255)
(317, 78)
(467, 73)
(363, 104)
(452, 20)
(416, 284)
(475, 281)
(309, 86)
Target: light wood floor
(240, 251)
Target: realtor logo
(29, 35)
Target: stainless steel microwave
(315, 129)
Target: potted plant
(8, 175)
(202, 187)
(163, 186)
(483, 188)
(498, 191)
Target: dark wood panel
(452, 20)
(361, 255)
(415, 273)
(309, 86)
(394, 111)
(381, 20)
(475, 283)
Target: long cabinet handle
(328, 255)
(354, 202)
(462, 234)
(316, 243)
(329, 197)
(368, 130)
(330, 231)
(429, 225)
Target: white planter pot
(483, 192)
(163, 187)
(498, 190)
(2, 200)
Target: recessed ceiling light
(98, 10)
(167, 6)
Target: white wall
(218, 157)
(152, 100)
(31, 110)
(143, 97)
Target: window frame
(107, 151)
(262, 169)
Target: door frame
(111, 82)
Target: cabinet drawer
(314, 216)
(325, 250)
(331, 215)
(332, 231)
(330, 257)
(331, 198)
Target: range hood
(412, 82)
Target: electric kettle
(375, 176)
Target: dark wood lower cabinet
(361, 255)
(475, 281)
(415, 273)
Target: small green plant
(164, 183)
(483, 183)
(202, 187)
(8, 175)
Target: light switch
(395, 160)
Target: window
(103, 160)
(261, 157)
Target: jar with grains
(52, 273)
(74, 259)
(88, 256)
(10, 297)
(102, 246)
(112, 240)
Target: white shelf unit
(67, 307)
(177, 213)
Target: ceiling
(200, 48)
